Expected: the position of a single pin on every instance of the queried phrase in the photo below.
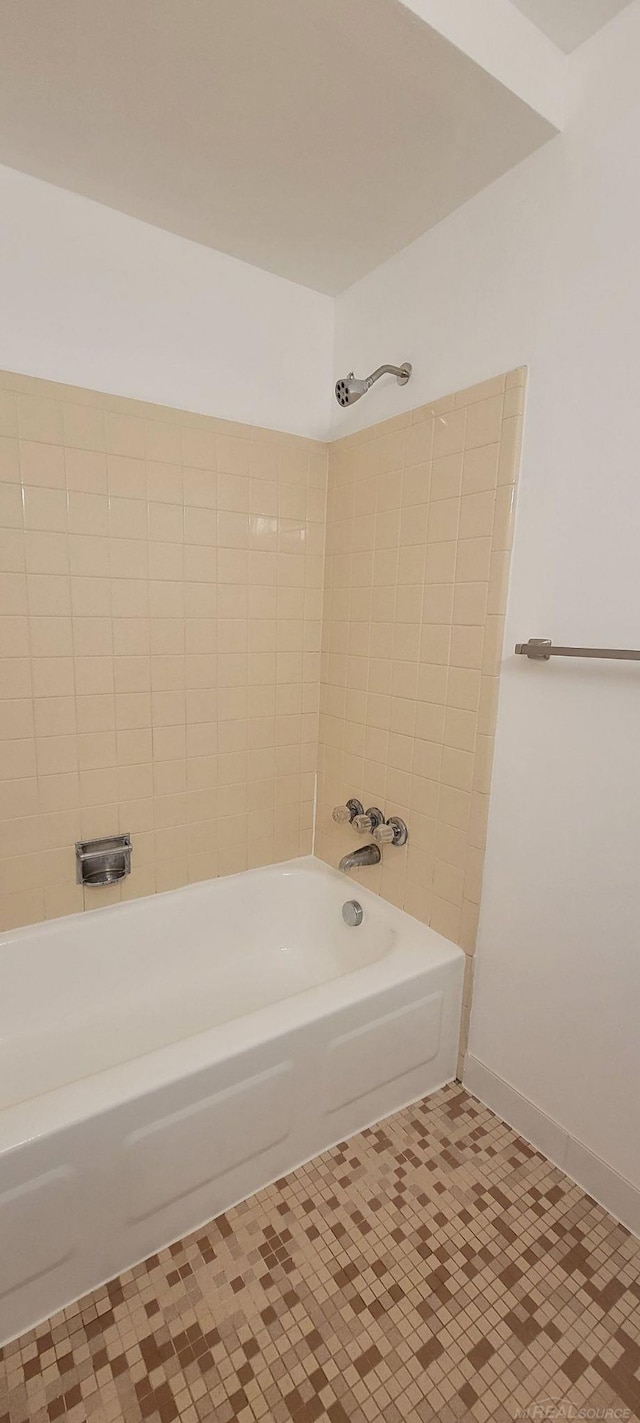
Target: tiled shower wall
(419, 524)
(161, 586)
(160, 620)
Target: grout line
(315, 811)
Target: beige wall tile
(12, 550)
(134, 629)
(83, 428)
(127, 478)
(15, 677)
(484, 421)
(463, 688)
(40, 418)
(165, 599)
(13, 593)
(405, 723)
(44, 508)
(10, 506)
(42, 464)
(449, 432)
(9, 460)
(125, 435)
(162, 442)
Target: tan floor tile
(435, 1267)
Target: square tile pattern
(163, 592)
(160, 614)
(179, 657)
(435, 1267)
(419, 530)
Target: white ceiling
(313, 138)
(569, 22)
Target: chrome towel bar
(540, 649)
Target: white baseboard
(614, 1192)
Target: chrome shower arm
(402, 372)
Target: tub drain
(352, 913)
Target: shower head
(349, 388)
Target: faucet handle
(391, 832)
(343, 814)
(364, 824)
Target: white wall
(96, 298)
(543, 269)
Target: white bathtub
(160, 1060)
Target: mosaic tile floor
(434, 1267)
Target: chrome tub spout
(366, 855)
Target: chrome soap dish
(103, 861)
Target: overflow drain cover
(352, 913)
